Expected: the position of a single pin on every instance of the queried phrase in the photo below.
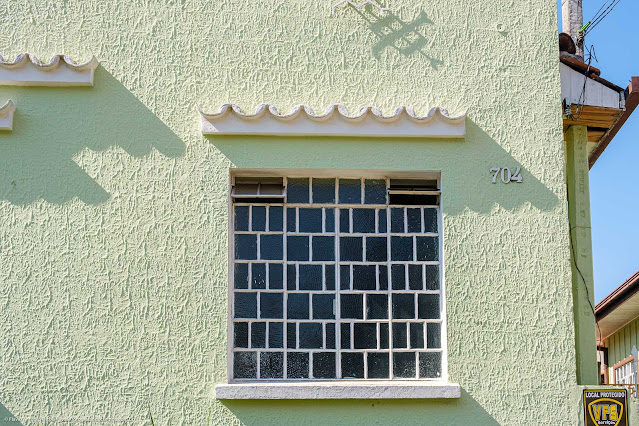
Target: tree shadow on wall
(392, 32)
(53, 125)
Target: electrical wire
(600, 15)
(591, 54)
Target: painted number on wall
(506, 175)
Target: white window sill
(340, 390)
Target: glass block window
(337, 281)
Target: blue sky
(614, 180)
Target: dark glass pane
(404, 365)
(246, 246)
(324, 365)
(345, 335)
(329, 277)
(378, 366)
(323, 248)
(275, 276)
(427, 249)
(240, 275)
(310, 277)
(376, 249)
(352, 365)
(275, 335)
(311, 336)
(240, 334)
(402, 248)
(298, 306)
(428, 306)
(323, 306)
(350, 191)
(258, 276)
(430, 220)
(297, 365)
(291, 277)
(330, 335)
(364, 220)
(271, 365)
(297, 190)
(245, 305)
(416, 335)
(291, 335)
(351, 249)
(258, 335)
(271, 305)
(415, 281)
(365, 336)
(381, 221)
(364, 277)
(297, 248)
(345, 277)
(430, 365)
(310, 220)
(344, 221)
(259, 218)
(241, 221)
(351, 306)
(400, 335)
(375, 191)
(397, 220)
(271, 247)
(323, 191)
(329, 220)
(276, 218)
(245, 365)
(383, 335)
(414, 220)
(432, 277)
(291, 218)
(376, 306)
(403, 305)
(433, 336)
(382, 277)
(398, 277)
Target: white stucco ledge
(27, 70)
(335, 121)
(6, 116)
(340, 390)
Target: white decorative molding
(335, 121)
(340, 390)
(6, 115)
(27, 70)
(382, 10)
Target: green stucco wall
(113, 206)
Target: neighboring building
(617, 318)
(396, 265)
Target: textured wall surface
(113, 206)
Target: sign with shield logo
(606, 407)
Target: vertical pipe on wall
(572, 19)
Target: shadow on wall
(462, 411)
(465, 164)
(7, 418)
(391, 31)
(51, 125)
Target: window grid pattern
(336, 284)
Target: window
(335, 279)
(626, 374)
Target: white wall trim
(6, 116)
(27, 70)
(340, 390)
(335, 121)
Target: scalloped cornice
(335, 121)
(6, 115)
(27, 70)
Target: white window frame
(336, 388)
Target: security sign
(606, 407)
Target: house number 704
(506, 175)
